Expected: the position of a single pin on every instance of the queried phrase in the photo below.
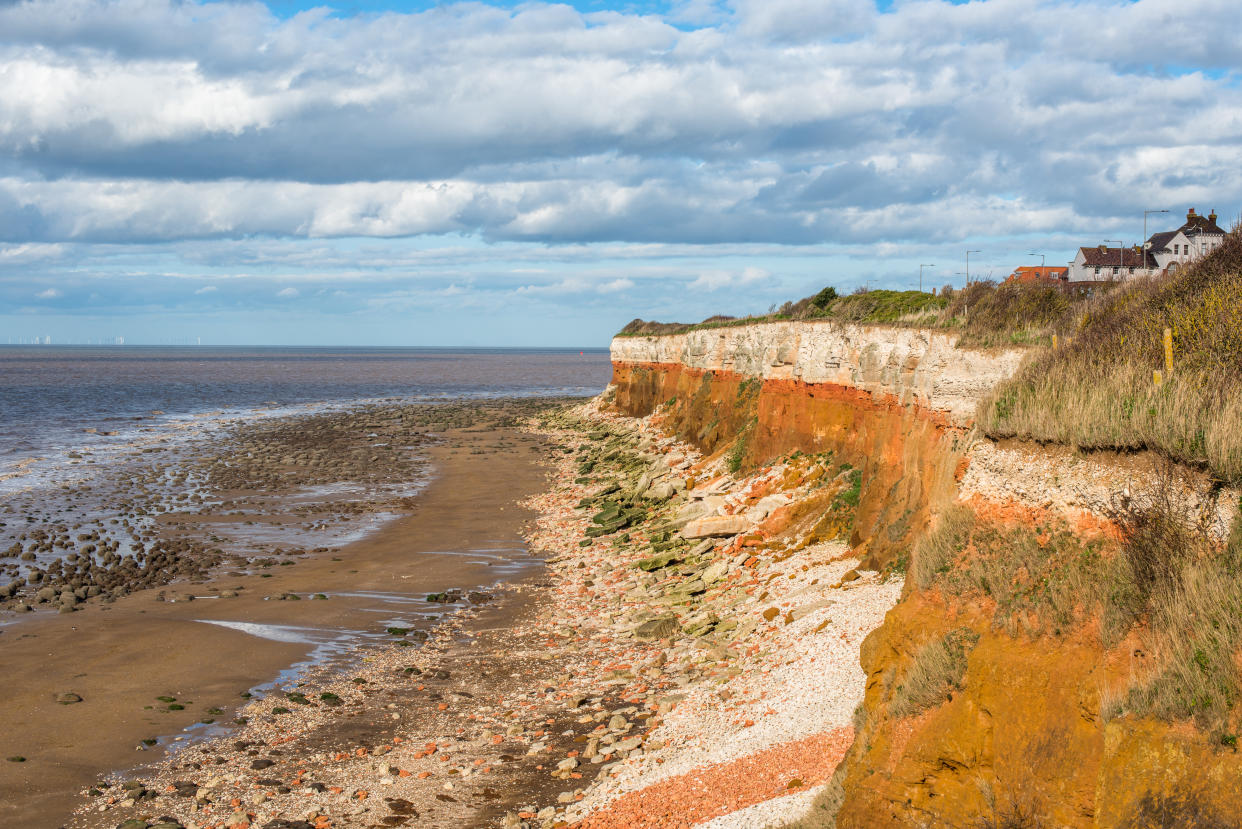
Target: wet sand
(119, 658)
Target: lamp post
(1121, 254)
(1041, 261)
(921, 275)
(1146, 244)
(968, 253)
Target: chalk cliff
(1030, 727)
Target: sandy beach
(121, 657)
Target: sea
(74, 418)
(76, 422)
(50, 396)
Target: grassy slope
(1099, 392)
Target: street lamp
(921, 275)
(1121, 254)
(968, 253)
(1147, 244)
(1041, 261)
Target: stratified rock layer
(1027, 736)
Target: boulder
(716, 526)
(658, 561)
(661, 491)
(766, 506)
(661, 627)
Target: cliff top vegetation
(986, 314)
(1099, 389)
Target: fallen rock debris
(686, 655)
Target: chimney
(1212, 215)
(1103, 248)
(1190, 214)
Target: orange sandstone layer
(908, 454)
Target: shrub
(934, 673)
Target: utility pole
(921, 275)
(968, 253)
(1121, 255)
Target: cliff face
(894, 403)
(1028, 731)
(890, 365)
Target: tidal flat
(210, 573)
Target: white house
(1164, 253)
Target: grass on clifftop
(985, 314)
(1099, 392)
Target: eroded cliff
(894, 403)
(1033, 673)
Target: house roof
(1160, 241)
(1196, 224)
(1113, 257)
(1038, 273)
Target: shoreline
(711, 684)
(117, 657)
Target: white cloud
(569, 285)
(714, 280)
(616, 286)
(29, 252)
(50, 293)
(475, 154)
(775, 120)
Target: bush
(935, 549)
(934, 673)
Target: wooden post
(1156, 378)
(1168, 351)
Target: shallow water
(50, 395)
(76, 422)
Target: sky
(539, 174)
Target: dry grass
(935, 672)
(1167, 575)
(936, 548)
(1181, 807)
(1190, 593)
(1098, 392)
(1044, 580)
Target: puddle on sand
(339, 648)
(329, 648)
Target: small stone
(69, 698)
